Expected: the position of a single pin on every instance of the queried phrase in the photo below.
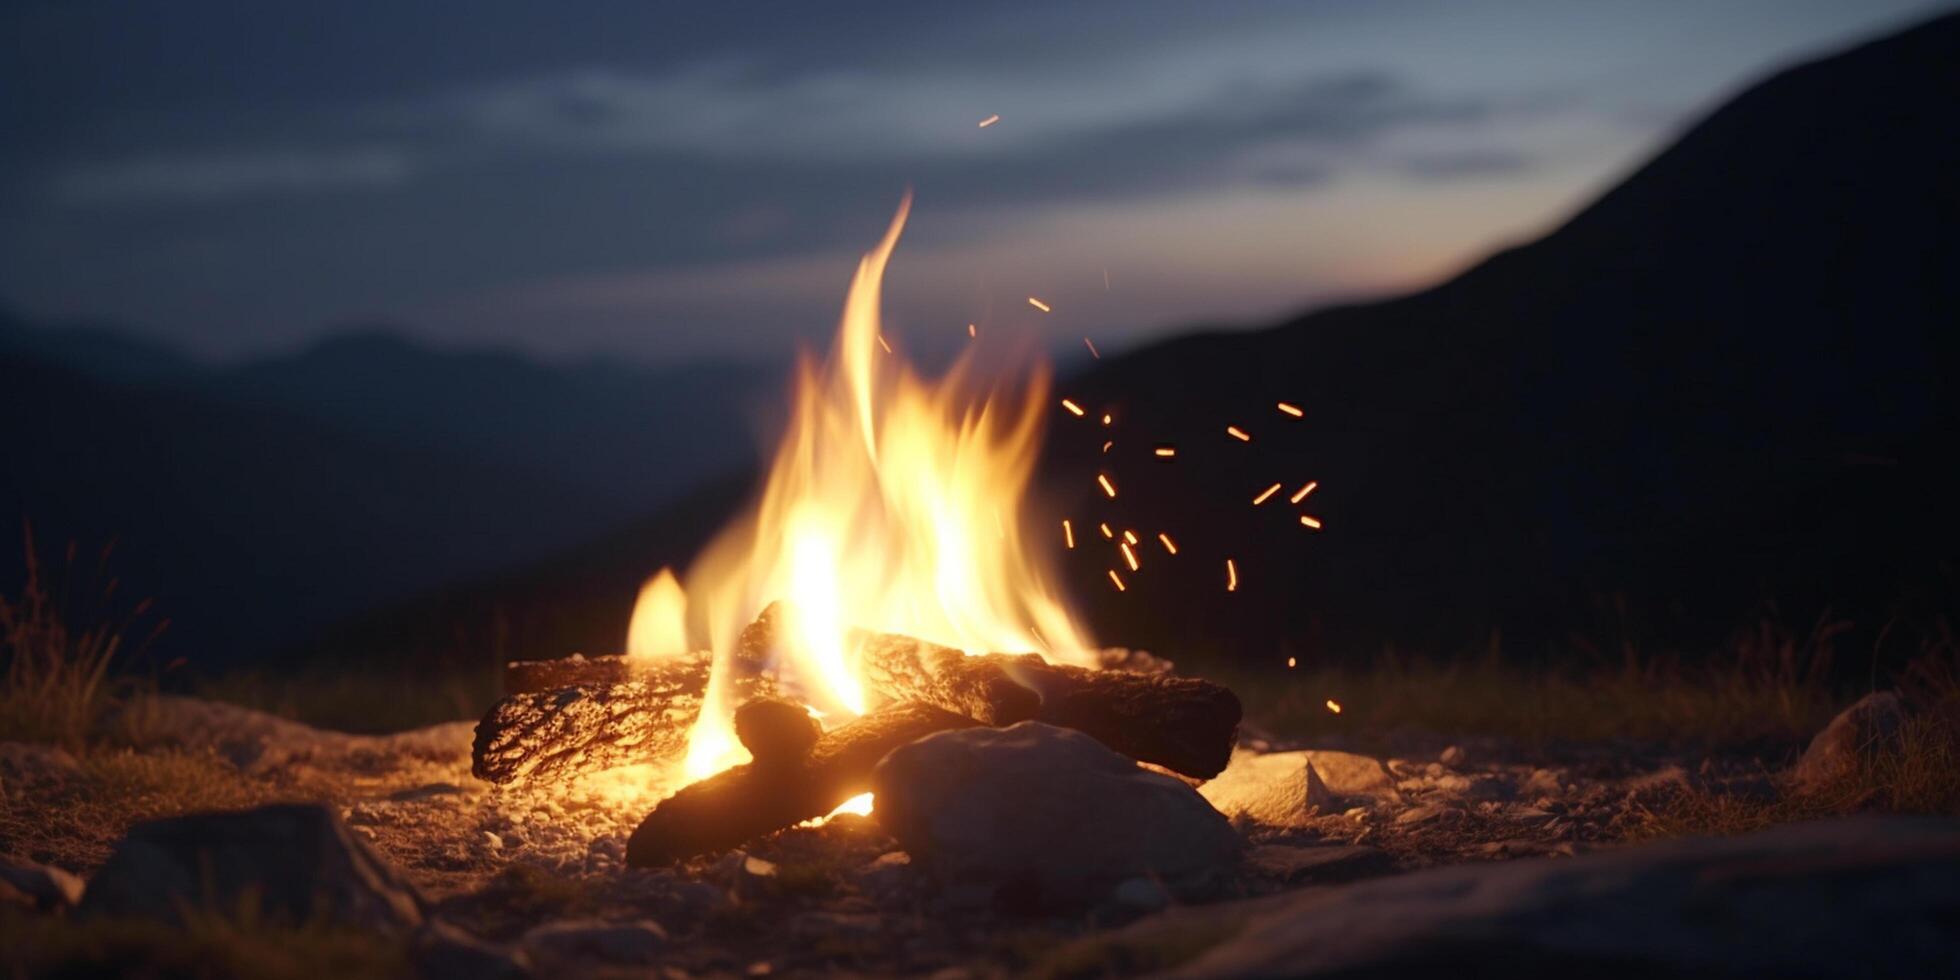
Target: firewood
(750, 800)
(774, 730)
(597, 723)
(525, 676)
(1186, 725)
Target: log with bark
(581, 715)
(780, 789)
(1183, 724)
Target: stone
(1286, 789)
(298, 862)
(1318, 864)
(39, 886)
(591, 940)
(1859, 896)
(1143, 894)
(439, 949)
(1452, 756)
(1856, 730)
(1045, 813)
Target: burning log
(582, 715)
(776, 791)
(1183, 724)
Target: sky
(665, 182)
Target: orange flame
(893, 505)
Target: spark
(1303, 491)
(1169, 545)
(1292, 662)
(1092, 349)
(1312, 522)
(1167, 451)
(1237, 433)
(1039, 305)
(1108, 444)
(1107, 533)
(1334, 706)
(1130, 536)
(1265, 494)
(1291, 409)
(1129, 556)
(1108, 487)
(1072, 407)
(1118, 579)
(972, 330)
(1231, 576)
(881, 343)
(1109, 419)
(1068, 535)
(990, 120)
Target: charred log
(599, 720)
(750, 800)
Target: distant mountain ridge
(260, 500)
(1728, 380)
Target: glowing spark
(1231, 576)
(881, 343)
(1068, 535)
(1265, 494)
(1129, 556)
(1334, 706)
(1169, 545)
(990, 120)
(1237, 433)
(1039, 305)
(1292, 663)
(1092, 349)
(1167, 451)
(1312, 522)
(972, 331)
(1072, 407)
(1107, 533)
(1290, 409)
(1130, 536)
(1118, 579)
(1108, 487)
(1109, 419)
(1108, 444)
(1303, 491)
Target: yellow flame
(659, 626)
(893, 504)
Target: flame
(892, 504)
(659, 626)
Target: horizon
(1387, 157)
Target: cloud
(204, 177)
(1460, 164)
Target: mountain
(257, 501)
(1725, 381)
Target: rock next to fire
(571, 730)
(1181, 723)
(776, 731)
(748, 801)
(1045, 814)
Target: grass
(366, 701)
(209, 944)
(58, 681)
(1770, 684)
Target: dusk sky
(668, 181)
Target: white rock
(1285, 789)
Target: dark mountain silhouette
(1724, 381)
(257, 501)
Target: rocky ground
(476, 879)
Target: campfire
(882, 589)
